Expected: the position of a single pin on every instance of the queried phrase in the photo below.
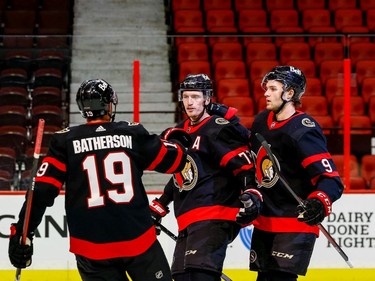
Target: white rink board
(352, 225)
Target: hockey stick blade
(330, 239)
(29, 198)
(174, 237)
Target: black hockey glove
(177, 134)
(158, 211)
(316, 207)
(252, 200)
(221, 110)
(19, 255)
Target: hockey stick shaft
(330, 239)
(29, 198)
(174, 237)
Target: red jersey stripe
(102, 251)
(158, 159)
(274, 224)
(227, 157)
(59, 165)
(307, 161)
(49, 180)
(206, 213)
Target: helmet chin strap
(283, 104)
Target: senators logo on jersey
(187, 178)
(265, 173)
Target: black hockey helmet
(291, 77)
(93, 98)
(196, 82)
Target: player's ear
(207, 101)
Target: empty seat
(217, 4)
(46, 96)
(361, 51)
(240, 5)
(52, 115)
(20, 24)
(18, 59)
(341, 4)
(313, 87)
(192, 52)
(188, 39)
(257, 69)
(14, 137)
(10, 77)
(371, 110)
(368, 168)
(365, 5)
(364, 69)
(212, 40)
(359, 125)
(312, 18)
(64, 4)
(279, 4)
(244, 105)
(289, 35)
(368, 89)
(323, 34)
(6, 180)
(7, 159)
(294, 51)
(246, 121)
(184, 5)
(254, 21)
(32, 5)
(229, 69)
(193, 67)
(13, 115)
(260, 51)
(328, 51)
(16, 95)
(314, 105)
(357, 107)
(54, 26)
(226, 51)
(357, 183)
(307, 66)
(330, 69)
(303, 5)
(220, 21)
(347, 17)
(48, 77)
(283, 18)
(48, 132)
(325, 122)
(335, 87)
(46, 58)
(188, 21)
(232, 88)
(338, 159)
(370, 19)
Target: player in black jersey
(101, 164)
(206, 193)
(284, 234)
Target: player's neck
(287, 111)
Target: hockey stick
(174, 237)
(330, 239)
(29, 198)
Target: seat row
(269, 5)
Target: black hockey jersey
(299, 147)
(217, 165)
(106, 204)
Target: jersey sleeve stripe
(317, 157)
(176, 163)
(243, 168)
(227, 157)
(158, 158)
(49, 180)
(59, 165)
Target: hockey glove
(19, 255)
(221, 110)
(177, 134)
(316, 207)
(252, 200)
(157, 212)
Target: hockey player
(284, 233)
(101, 164)
(206, 193)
